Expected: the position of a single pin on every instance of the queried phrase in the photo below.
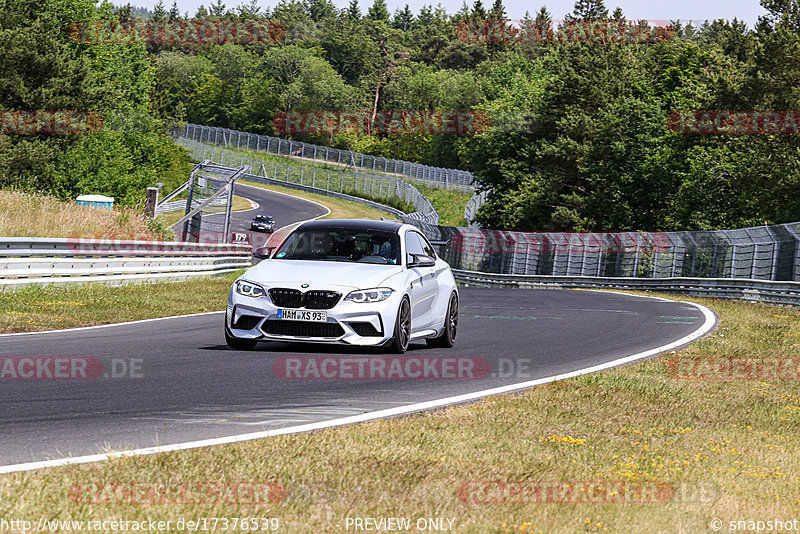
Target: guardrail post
(150, 202)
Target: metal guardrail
(26, 260)
(786, 293)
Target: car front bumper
(257, 318)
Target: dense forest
(579, 135)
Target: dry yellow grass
(33, 215)
(730, 447)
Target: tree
(320, 9)
(42, 69)
(589, 10)
(350, 49)
(174, 12)
(249, 11)
(544, 18)
(499, 44)
(402, 20)
(159, 12)
(498, 11)
(784, 13)
(353, 11)
(618, 15)
(202, 13)
(478, 11)
(124, 13)
(218, 9)
(378, 11)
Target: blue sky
(747, 11)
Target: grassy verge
(449, 204)
(30, 215)
(306, 172)
(340, 208)
(736, 440)
(50, 307)
(294, 160)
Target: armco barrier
(785, 293)
(26, 260)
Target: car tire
(448, 336)
(402, 328)
(239, 343)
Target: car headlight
(370, 295)
(249, 289)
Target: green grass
(49, 307)
(296, 160)
(739, 440)
(448, 203)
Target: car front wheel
(448, 336)
(402, 328)
(239, 343)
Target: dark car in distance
(262, 223)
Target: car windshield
(341, 244)
(263, 218)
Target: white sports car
(355, 282)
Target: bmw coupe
(353, 282)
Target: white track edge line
(708, 325)
(109, 325)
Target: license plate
(303, 315)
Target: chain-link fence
(352, 182)
(471, 209)
(762, 253)
(434, 176)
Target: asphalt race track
(174, 380)
(284, 209)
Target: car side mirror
(262, 253)
(421, 260)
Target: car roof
(359, 224)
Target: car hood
(320, 274)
